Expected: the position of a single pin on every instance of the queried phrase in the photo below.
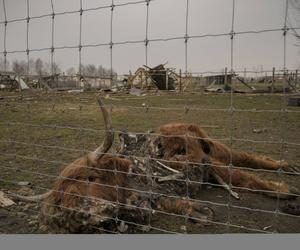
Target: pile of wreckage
(10, 81)
(223, 84)
(146, 80)
(158, 77)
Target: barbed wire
(185, 108)
(152, 134)
(231, 110)
(142, 191)
(19, 169)
(278, 72)
(151, 209)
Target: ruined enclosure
(150, 140)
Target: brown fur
(93, 179)
(198, 147)
(90, 178)
(85, 179)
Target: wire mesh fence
(175, 179)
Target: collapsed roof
(158, 76)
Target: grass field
(41, 132)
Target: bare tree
(2, 64)
(81, 70)
(90, 70)
(71, 71)
(100, 71)
(39, 66)
(93, 71)
(56, 68)
(19, 67)
(31, 66)
(52, 68)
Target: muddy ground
(41, 133)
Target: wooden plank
(4, 201)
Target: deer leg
(254, 183)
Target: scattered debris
(158, 77)
(21, 83)
(145, 229)
(4, 201)
(75, 91)
(25, 190)
(168, 168)
(294, 100)
(24, 183)
(183, 228)
(225, 185)
(223, 89)
(136, 92)
(108, 97)
(259, 130)
(110, 90)
(122, 227)
(3, 213)
(215, 90)
(12, 81)
(21, 214)
(267, 227)
(114, 90)
(246, 84)
(143, 145)
(291, 208)
(270, 90)
(33, 222)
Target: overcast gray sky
(166, 19)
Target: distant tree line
(39, 67)
(92, 70)
(36, 67)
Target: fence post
(167, 80)
(273, 79)
(180, 83)
(141, 81)
(226, 79)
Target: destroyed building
(11, 81)
(158, 77)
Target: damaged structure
(10, 81)
(158, 77)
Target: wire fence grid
(17, 153)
